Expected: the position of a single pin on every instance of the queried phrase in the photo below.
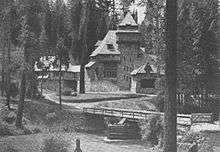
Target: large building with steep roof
(118, 63)
(115, 57)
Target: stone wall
(95, 81)
(129, 62)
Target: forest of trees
(197, 49)
(30, 29)
(35, 28)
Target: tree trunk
(170, 144)
(8, 79)
(82, 39)
(82, 79)
(41, 86)
(18, 122)
(60, 89)
(31, 85)
(3, 72)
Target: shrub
(159, 101)
(5, 131)
(160, 84)
(10, 118)
(203, 142)
(5, 147)
(152, 130)
(54, 144)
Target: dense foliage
(197, 49)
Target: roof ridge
(128, 20)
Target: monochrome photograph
(109, 75)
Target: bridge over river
(135, 115)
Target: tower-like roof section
(128, 25)
(128, 20)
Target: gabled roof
(110, 38)
(98, 43)
(128, 20)
(91, 63)
(144, 68)
(73, 68)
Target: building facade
(117, 64)
(115, 57)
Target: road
(52, 97)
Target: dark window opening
(97, 72)
(128, 78)
(110, 47)
(139, 55)
(147, 83)
(72, 84)
(110, 70)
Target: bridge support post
(77, 149)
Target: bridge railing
(182, 119)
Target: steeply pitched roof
(91, 63)
(143, 69)
(146, 67)
(110, 38)
(128, 20)
(98, 43)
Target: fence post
(77, 149)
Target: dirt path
(50, 96)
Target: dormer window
(139, 55)
(147, 68)
(110, 47)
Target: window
(97, 72)
(110, 47)
(147, 83)
(127, 78)
(110, 70)
(139, 55)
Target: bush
(10, 118)
(54, 144)
(5, 131)
(5, 147)
(159, 101)
(203, 142)
(152, 130)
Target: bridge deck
(182, 119)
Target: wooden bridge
(182, 119)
